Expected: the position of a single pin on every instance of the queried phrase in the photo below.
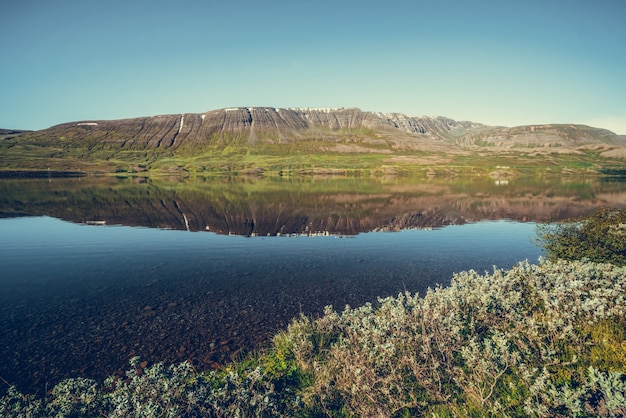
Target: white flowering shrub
(179, 391)
(76, 397)
(506, 343)
(157, 391)
(15, 404)
(535, 340)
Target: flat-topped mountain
(211, 140)
(253, 125)
(271, 125)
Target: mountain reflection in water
(80, 300)
(274, 206)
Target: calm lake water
(94, 272)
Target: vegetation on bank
(599, 237)
(535, 340)
(355, 153)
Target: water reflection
(80, 300)
(262, 207)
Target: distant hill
(141, 143)
(546, 135)
(4, 133)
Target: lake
(94, 271)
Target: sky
(504, 62)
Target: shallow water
(80, 300)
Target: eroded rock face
(254, 125)
(250, 125)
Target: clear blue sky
(504, 62)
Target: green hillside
(269, 141)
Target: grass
(314, 154)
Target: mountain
(272, 125)
(211, 140)
(544, 135)
(254, 125)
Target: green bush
(600, 237)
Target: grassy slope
(355, 151)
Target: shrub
(535, 340)
(16, 404)
(600, 237)
(513, 342)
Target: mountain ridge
(275, 125)
(265, 124)
(308, 140)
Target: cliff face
(342, 130)
(255, 125)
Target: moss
(607, 345)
